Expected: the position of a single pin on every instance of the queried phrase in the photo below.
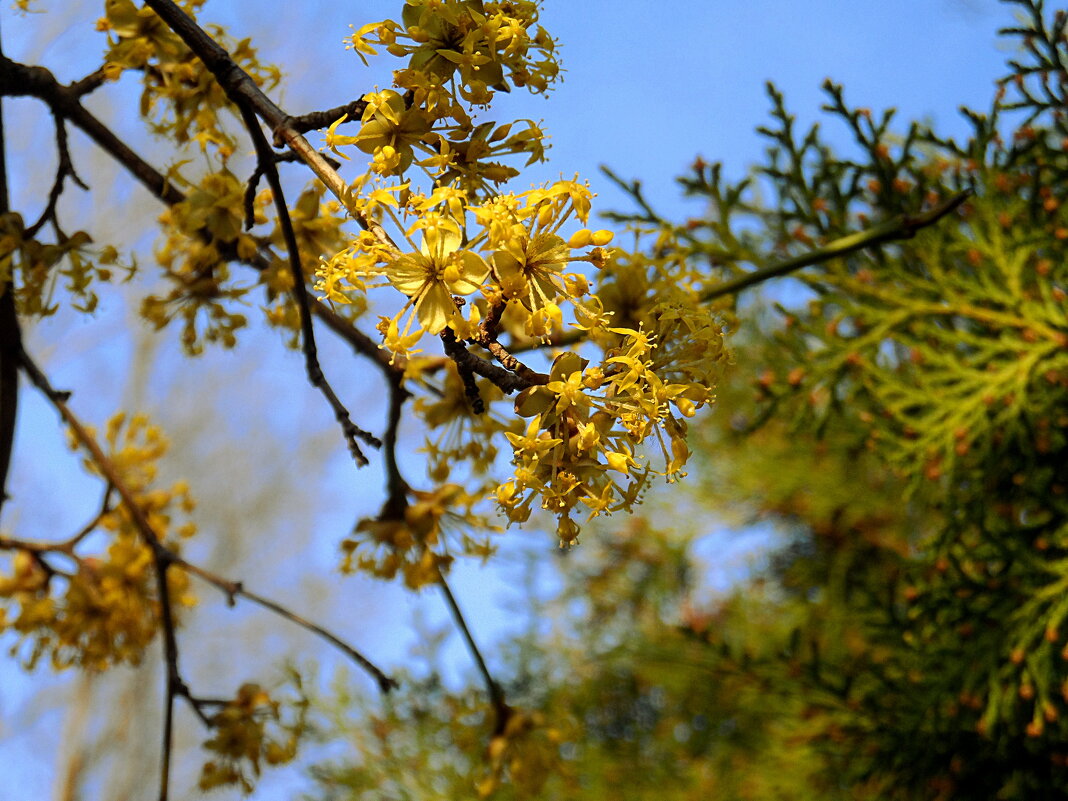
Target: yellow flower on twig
(433, 274)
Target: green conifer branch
(902, 227)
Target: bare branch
(500, 707)
(66, 546)
(20, 80)
(315, 120)
(254, 181)
(353, 433)
(236, 589)
(64, 170)
(508, 381)
(487, 337)
(10, 345)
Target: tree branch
(242, 89)
(10, 344)
(486, 336)
(236, 589)
(315, 120)
(19, 80)
(500, 707)
(64, 170)
(266, 163)
(163, 559)
(508, 381)
(903, 227)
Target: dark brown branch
(141, 523)
(64, 170)
(105, 507)
(486, 336)
(10, 345)
(474, 397)
(315, 120)
(232, 590)
(353, 433)
(19, 80)
(508, 381)
(254, 181)
(90, 83)
(396, 487)
(362, 344)
(175, 684)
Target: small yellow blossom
(431, 275)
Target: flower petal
(473, 271)
(409, 273)
(435, 308)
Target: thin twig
(232, 589)
(353, 433)
(66, 546)
(254, 181)
(20, 80)
(236, 589)
(486, 336)
(90, 83)
(500, 707)
(105, 507)
(175, 685)
(64, 170)
(315, 120)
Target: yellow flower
(431, 276)
(387, 121)
(530, 269)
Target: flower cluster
(508, 249)
(104, 608)
(586, 426)
(475, 46)
(37, 267)
(250, 729)
(414, 540)
(470, 264)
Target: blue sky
(648, 87)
